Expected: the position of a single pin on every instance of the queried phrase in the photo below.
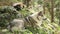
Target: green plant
(7, 14)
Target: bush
(7, 14)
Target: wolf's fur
(33, 20)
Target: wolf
(34, 20)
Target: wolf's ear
(40, 13)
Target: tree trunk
(52, 10)
(44, 7)
(27, 2)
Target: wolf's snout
(45, 18)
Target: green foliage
(57, 12)
(7, 2)
(25, 12)
(7, 14)
(19, 0)
(40, 1)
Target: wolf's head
(40, 15)
(37, 18)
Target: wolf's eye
(41, 15)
